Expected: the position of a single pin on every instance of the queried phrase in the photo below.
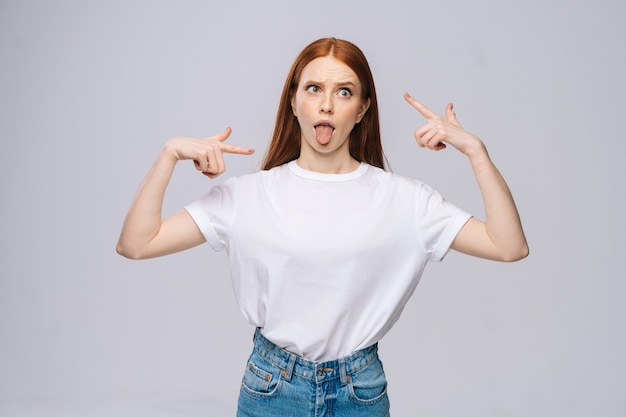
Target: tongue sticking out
(324, 133)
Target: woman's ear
(364, 107)
(293, 106)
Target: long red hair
(365, 144)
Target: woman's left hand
(501, 237)
(439, 131)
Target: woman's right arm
(145, 234)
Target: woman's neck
(327, 164)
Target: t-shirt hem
(204, 224)
(449, 234)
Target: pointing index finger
(227, 148)
(424, 111)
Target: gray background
(90, 91)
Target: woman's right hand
(145, 234)
(207, 154)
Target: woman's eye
(344, 92)
(313, 89)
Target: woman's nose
(327, 105)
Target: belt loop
(289, 370)
(343, 377)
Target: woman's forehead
(328, 69)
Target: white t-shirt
(325, 263)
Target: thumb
(450, 115)
(224, 135)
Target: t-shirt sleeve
(213, 213)
(441, 221)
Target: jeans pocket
(368, 385)
(261, 380)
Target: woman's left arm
(500, 237)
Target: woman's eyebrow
(341, 83)
(348, 83)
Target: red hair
(365, 144)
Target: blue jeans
(279, 383)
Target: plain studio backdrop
(90, 92)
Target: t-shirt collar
(318, 176)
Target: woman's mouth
(323, 132)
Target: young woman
(325, 246)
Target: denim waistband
(317, 371)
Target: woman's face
(328, 103)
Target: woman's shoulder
(255, 177)
(391, 178)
